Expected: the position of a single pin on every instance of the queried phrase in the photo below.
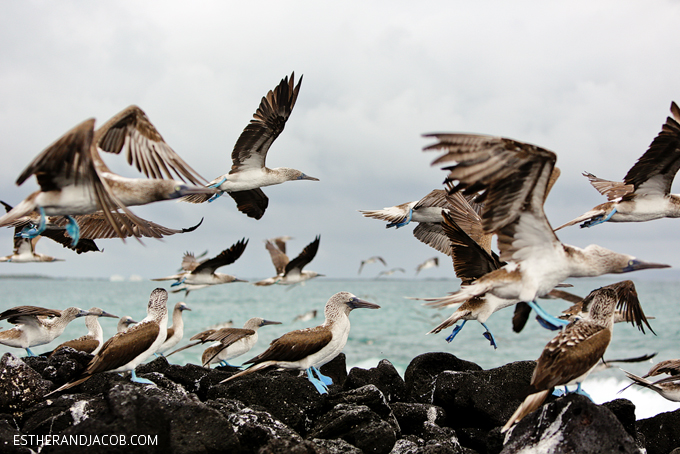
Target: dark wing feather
(252, 202)
(226, 257)
(305, 256)
(144, 146)
(227, 336)
(268, 122)
(119, 350)
(629, 303)
(13, 315)
(295, 345)
(279, 258)
(611, 189)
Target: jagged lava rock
(20, 386)
(570, 424)
(662, 432)
(371, 397)
(423, 370)
(384, 376)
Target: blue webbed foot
(217, 185)
(582, 392)
(180, 282)
(489, 336)
(73, 230)
(216, 196)
(558, 392)
(323, 378)
(402, 223)
(35, 230)
(136, 379)
(456, 330)
(29, 352)
(318, 384)
(599, 219)
(546, 320)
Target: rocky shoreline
(442, 405)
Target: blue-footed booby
(514, 177)
(124, 323)
(429, 263)
(291, 272)
(36, 325)
(128, 349)
(668, 387)
(203, 274)
(571, 355)
(644, 194)
(248, 171)
(74, 180)
(368, 261)
(310, 348)
(231, 343)
(94, 339)
(176, 331)
(24, 252)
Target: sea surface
(395, 332)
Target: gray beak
(357, 303)
(269, 322)
(106, 314)
(635, 265)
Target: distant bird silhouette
(390, 272)
(370, 260)
(293, 272)
(248, 171)
(644, 194)
(429, 263)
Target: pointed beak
(635, 265)
(307, 177)
(106, 314)
(82, 313)
(269, 322)
(358, 303)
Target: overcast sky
(590, 80)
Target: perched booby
(293, 272)
(94, 339)
(203, 274)
(370, 260)
(74, 180)
(36, 325)
(124, 323)
(176, 331)
(199, 338)
(248, 171)
(514, 177)
(429, 263)
(24, 252)
(390, 272)
(644, 194)
(571, 355)
(231, 342)
(126, 350)
(310, 348)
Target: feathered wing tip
(584, 217)
(452, 320)
(69, 385)
(196, 198)
(250, 370)
(530, 404)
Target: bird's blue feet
(599, 219)
(73, 230)
(489, 336)
(223, 363)
(318, 384)
(35, 230)
(136, 379)
(546, 320)
(456, 330)
(324, 378)
(402, 223)
(180, 282)
(581, 391)
(217, 195)
(29, 352)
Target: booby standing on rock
(176, 331)
(36, 325)
(128, 349)
(204, 273)
(124, 323)
(293, 272)
(232, 342)
(310, 348)
(644, 194)
(94, 339)
(74, 180)
(515, 177)
(570, 356)
(248, 171)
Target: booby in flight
(126, 350)
(74, 180)
(570, 356)
(514, 177)
(644, 194)
(310, 348)
(176, 331)
(390, 272)
(248, 171)
(203, 274)
(36, 325)
(429, 263)
(94, 339)
(368, 261)
(24, 252)
(291, 272)
(668, 387)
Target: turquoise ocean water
(395, 332)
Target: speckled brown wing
(295, 345)
(15, 314)
(669, 366)
(131, 130)
(227, 336)
(82, 345)
(123, 348)
(610, 189)
(279, 257)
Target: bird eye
(631, 262)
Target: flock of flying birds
(494, 187)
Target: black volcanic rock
(384, 376)
(570, 424)
(661, 432)
(423, 370)
(20, 386)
